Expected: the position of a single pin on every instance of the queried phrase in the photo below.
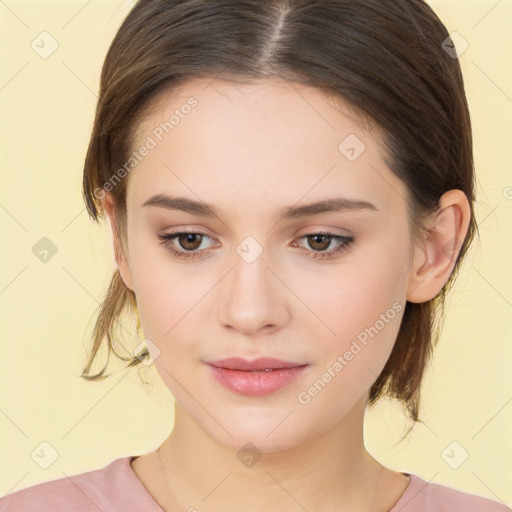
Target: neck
(330, 472)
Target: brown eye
(186, 244)
(190, 241)
(319, 242)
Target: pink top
(116, 488)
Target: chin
(260, 444)
(262, 437)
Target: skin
(251, 150)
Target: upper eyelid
(301, 235)
(302, 232)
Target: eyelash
(344, 241)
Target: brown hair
(384, 57)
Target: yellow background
(47, 309)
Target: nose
(252, 298)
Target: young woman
(290, 188)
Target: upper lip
(261, 363)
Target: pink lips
(257, 377)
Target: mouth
(258, 377)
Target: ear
(435, 256)
(120, 257)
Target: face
(321, 289)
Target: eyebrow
(334, 205)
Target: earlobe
(435, 258)
(108, 205)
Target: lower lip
(256, 383)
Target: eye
(322, 240)
(188, 240)
(190, 244)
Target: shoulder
(112, 488)
(424, 496)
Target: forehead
(278, 102)
(267, 139)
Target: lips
(256, 365)
(258, 377)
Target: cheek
(169, 295)
(362, 292)
(159, 298)
(351, 362)
(165, 304)
(361, 309)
